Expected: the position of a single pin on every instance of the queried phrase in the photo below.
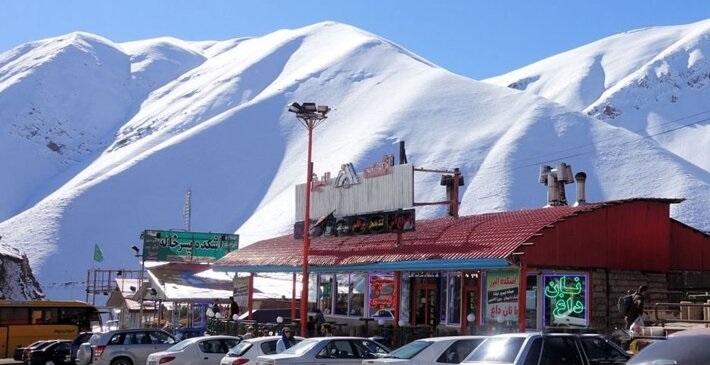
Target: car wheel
(122, 361)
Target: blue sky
(474, 38)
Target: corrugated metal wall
(631, 236)
(691, 248)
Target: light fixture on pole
(310, 116)
(140, 284)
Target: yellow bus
(24, 322)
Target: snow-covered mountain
(653, 82)
(102, 139)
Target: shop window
(405, 308)
(358, 286)
(565, 299)
(531, 302)
(382, 297)
(325, 290)
(342, 288)
(454, 299)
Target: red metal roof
(484, 236)
(492, 235)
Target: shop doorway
(426, 303)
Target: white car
(195, 351)
(327, 351)
(249, 349)
(434, 350)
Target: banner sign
(386, 222)
(181, 246)
(502, 291)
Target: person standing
(326, 330)
(286, 341)
(233, 309)
(318, 322)
(634, 318)
(216, 309)
(249, 334)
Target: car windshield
(240, 349)
(497, 350)
(301, 347)
(677, 350)
(409, 350)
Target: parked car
(123, 347)
(195, 351)
(248, 350)
(27, 352)
(77, 341)
(327, 351)
(686, 349)
(547, 348)
(56, 352)
(434, 350)
(20, 351)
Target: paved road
(9, 361)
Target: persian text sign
(502, 291)
(385, 222)
(566, 299)
(180, 246)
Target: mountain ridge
(210, 116)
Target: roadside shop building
(514, 270)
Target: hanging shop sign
(385, 222)
(566, 299)
(181, 246)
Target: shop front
(490, 273)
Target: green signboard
(181, 246)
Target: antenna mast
(187, 210)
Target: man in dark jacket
(636, 310)
(233, 308)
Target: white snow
(139, 123)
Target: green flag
(98, 254)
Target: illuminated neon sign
(566, 299)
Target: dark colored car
(58, 352)
(77, 341)
(676, 350)
(547, 348)
(27, 352)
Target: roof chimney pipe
(581, 179)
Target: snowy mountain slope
(68, 96)
(220, 127)
(654, 82)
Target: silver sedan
(327, 351)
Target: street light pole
(310, 116)
(140, 284)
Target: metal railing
(662, 320)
